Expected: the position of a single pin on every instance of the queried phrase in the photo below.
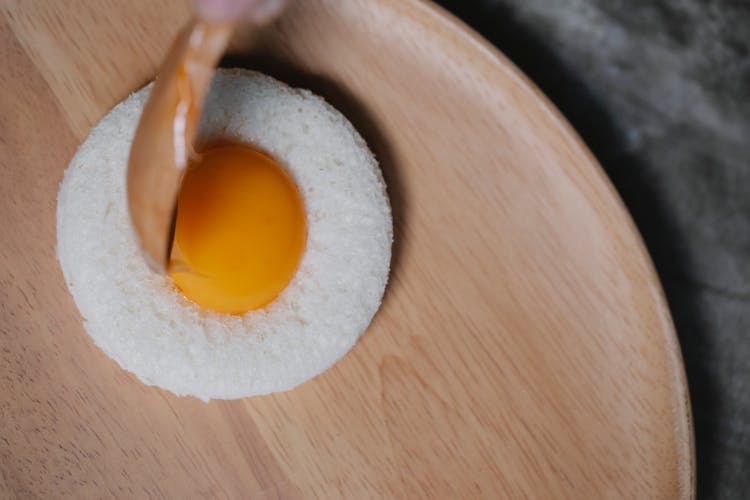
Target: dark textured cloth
(660, 91)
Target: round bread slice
(147, 326)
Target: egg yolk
(239, 231)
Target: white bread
(141, 320)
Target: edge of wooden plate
(681, 410)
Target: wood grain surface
(523, 350)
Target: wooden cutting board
(524, 347)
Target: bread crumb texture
(145, 324)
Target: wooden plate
(524, 348)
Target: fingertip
(260, 11)
(224, 10)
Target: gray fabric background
(660, 91)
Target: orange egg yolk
(239, 232)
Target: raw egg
(239, 232)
